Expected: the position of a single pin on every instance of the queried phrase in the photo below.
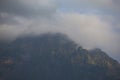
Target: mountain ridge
(55, 57)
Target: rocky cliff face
(54, 57)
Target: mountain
(54, 57)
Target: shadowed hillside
(54, 57)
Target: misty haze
(59, 40)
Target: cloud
(28, 17)
(88, 30)
(27, 7)
(91, 6)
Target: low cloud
(28, 17)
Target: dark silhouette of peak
(54, 57)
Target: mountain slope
(54, 57)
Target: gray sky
(90, 23)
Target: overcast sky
(90, 23)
